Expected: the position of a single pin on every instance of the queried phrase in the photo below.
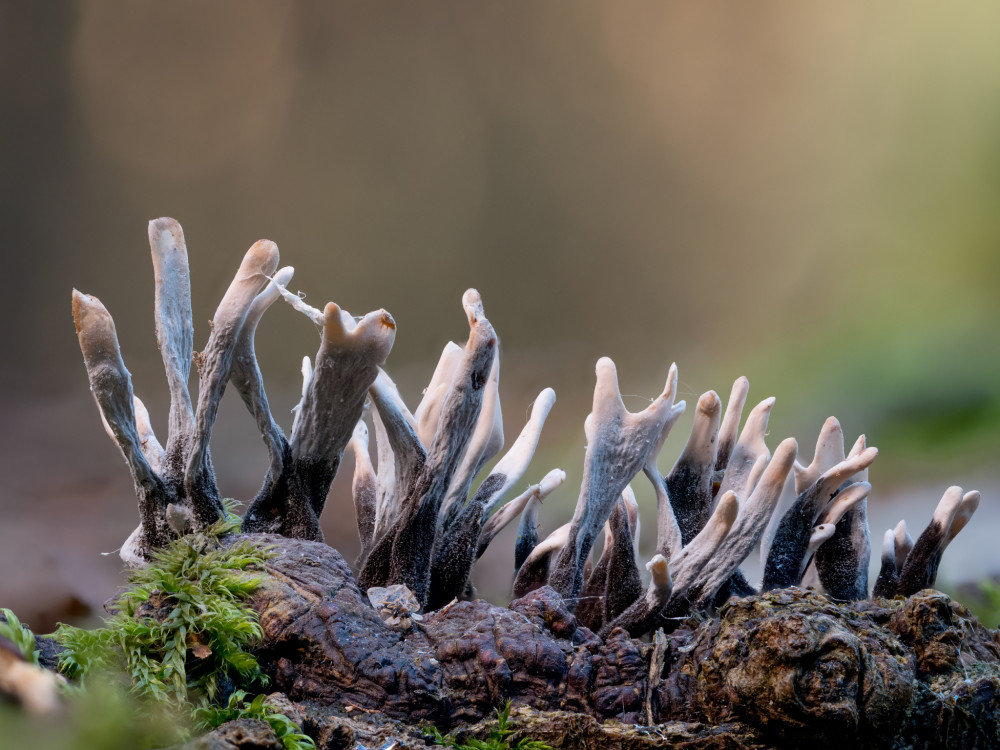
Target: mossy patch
(181, 634)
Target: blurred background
(803, 194)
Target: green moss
(498, 739)
(12, 629)
(181, 635)
(240, 708)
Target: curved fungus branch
(526, 504)
(919, 570)
(151, 448)
(730, 426)
(745, 464)
(623, 584)
(174, 334)
(214, 366)
(791, 540)
(428, 411)
(401, 455)
(111, 385)
(688, 490)
(249, 383)
(749, 524)
(363, 486)
(534, 572)
(485, 443)
(829, 452)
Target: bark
(777, 670)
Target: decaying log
(779, 669)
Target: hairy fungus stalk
(619, 445)
(174, 333)
(111, 385)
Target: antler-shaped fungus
(111, 385)
(176, 484)
(787, 554)
(619, 444)
(411, 538)
(417, 523)
(215, 365)
(920, 565)
(457, 543)
(346, 365)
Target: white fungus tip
(550, 482)
(473, 304)
(709, 403)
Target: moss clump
(180, 636)
(238, 707)
(12, 629)
(498, 739)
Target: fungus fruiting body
(421, 525)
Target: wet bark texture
(778, 670)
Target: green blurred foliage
(983, 599)
(104, 717)
(12, 629)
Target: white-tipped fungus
(420, 529)
(619, 444)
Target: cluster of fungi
(421, 525)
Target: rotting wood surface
(781, 669)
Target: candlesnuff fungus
(420, 523)
(619, 444)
